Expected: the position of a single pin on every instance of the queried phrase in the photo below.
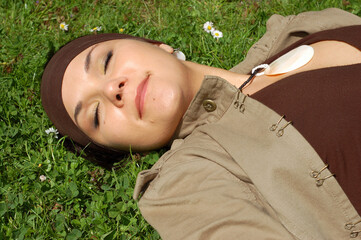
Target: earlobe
(166, 48)
(176, 52)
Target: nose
(113, 91)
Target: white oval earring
(179, 54)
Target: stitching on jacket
(340, 205)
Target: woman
(281, 163)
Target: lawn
(47, 192)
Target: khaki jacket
(228, 175)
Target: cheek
(119, 137)
(113, 128)
(167, 102)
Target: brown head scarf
(52, 82)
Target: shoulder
(194, 159)
(282, 31)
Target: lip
(139, 99)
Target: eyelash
(96, 110)
(96, 116)
(107, 60)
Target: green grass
(79, 200)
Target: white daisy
(217, 34)
(52, 130)
(42, 178)
(208, 26)
(96, 29)
(63, 26)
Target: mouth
(139, 99)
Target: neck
(198, 71)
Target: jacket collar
(209, 104)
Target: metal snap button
(209, 105)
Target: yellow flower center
(217, 34)
(209, 27)
(62, 25)
(121, 30)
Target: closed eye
(107, 60)
(96, 117)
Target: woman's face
(127, 93)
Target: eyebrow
(77, 111)
(88, 59)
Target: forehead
(109, 43)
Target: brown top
(324, 106)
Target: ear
(166, 48)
